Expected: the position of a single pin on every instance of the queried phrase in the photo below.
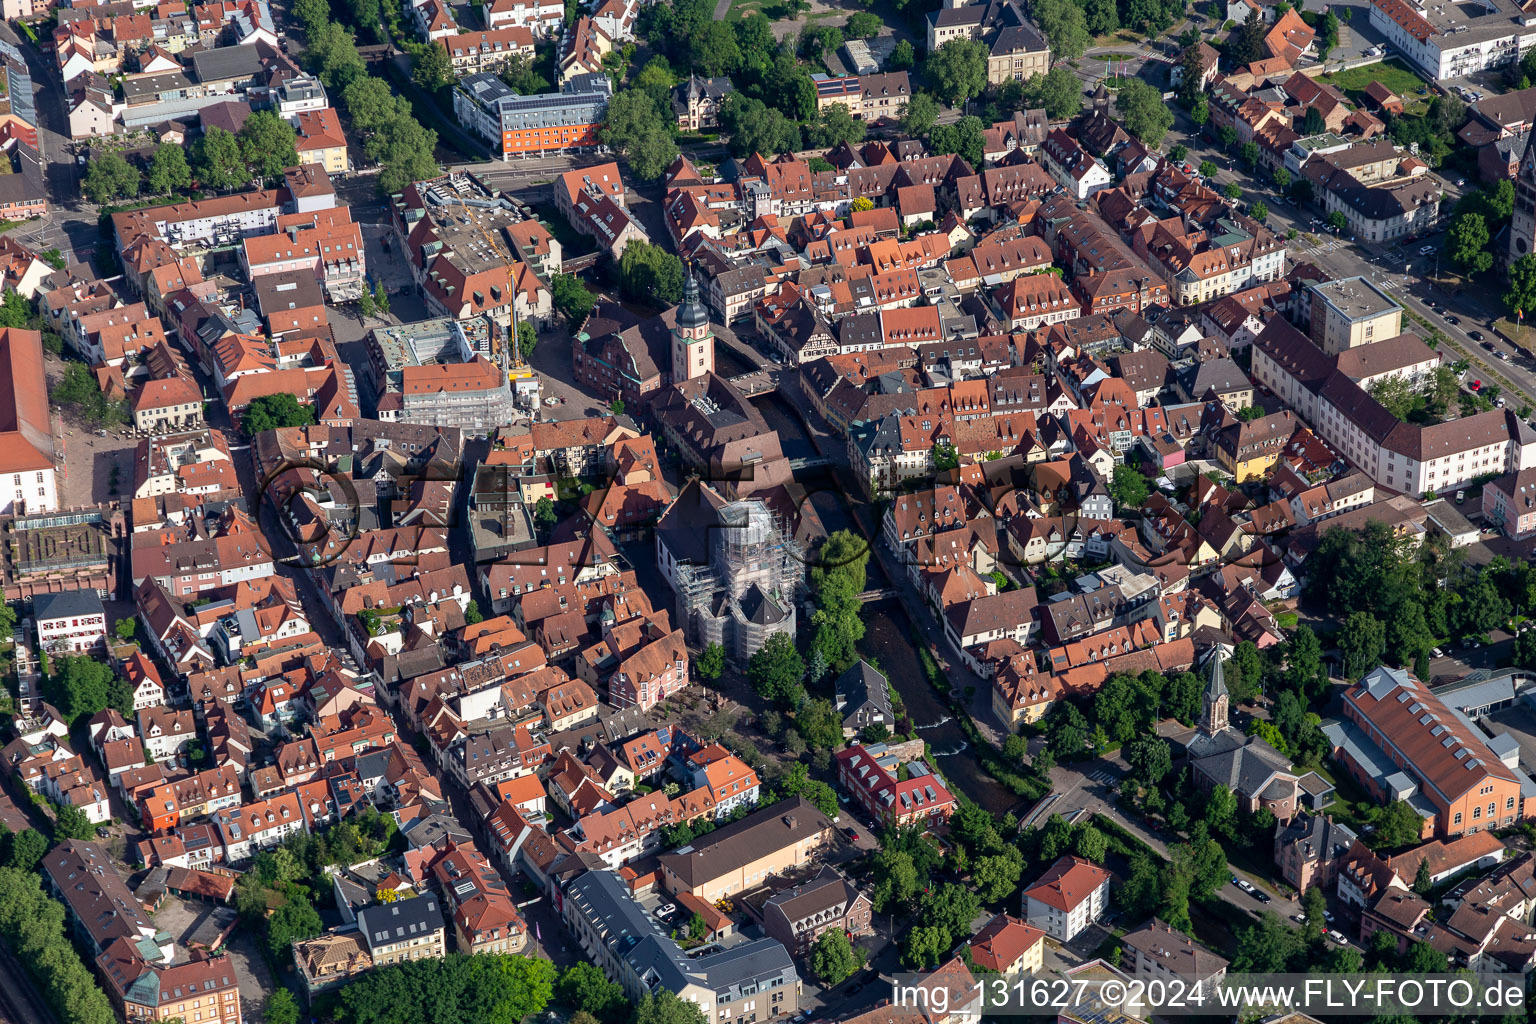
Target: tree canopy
(273, 412)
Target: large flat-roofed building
(27, 479)
(1448, 40)
(739, 856)
(1351, 312)
(1439, 755)
(549, 122)
(441, 373)
(53, 552)
(739, 983)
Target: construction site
(747, 590)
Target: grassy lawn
(1392, 73)
(742, 8)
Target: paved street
(1409, 275)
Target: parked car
(1453, 320)
(1336, 936)
(852, 834)
(1461, 496)
(1475, 335)
(666, 909)
(1437, 652)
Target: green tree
(710, 663)
(584, 986)
(1304, 670)
(918, 116)
(1221, 810)
(70, 822)
(776, 672)
(1467, 243)
(168, 170)
(280, 1008)
(862, 25)
(997, 876)
(958, 69)
(1400, 825)
(267, 144)
(1150, 758)
(1266, 947)
(109, 178)
(1090, 844)
(667, 1007)
(1394, 393)
(1338, 221)
(1064, 25)
(820, 725)
(966, 137)
(527, 340)
(296, 919)
(521, 74)
(637, 130)
(16, 311)
(472, 613)
(1362, 643)
(896, 880)
(1128, 487)
(366, 307)
(833, 960)
(834, 126)
(1066, 730)
(1233, 191)
(79, 687)
(1423, 881)
(27, 848)
(544, 515)
(1245, 44)
(1259, 210)
(649, 273)
(1143, 111)
(570, 298)
(925, 946)
(1058, 92)
(274, 412)
(431, 67)
(381, 298)
(1142, 893)
(1207, 168)
(902, 58)
(1282, 179)
(1525, 650)
(754, 127)
(1328, 38)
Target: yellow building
(320, 141)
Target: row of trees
(484, 988)
(32, 928)
(390, 133)
(1398, 601)
(79, 392)
(1479, 217)
(264, 147)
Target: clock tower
(693, 343)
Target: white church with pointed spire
(693, 342)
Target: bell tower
(1522, 221)
(1213, 710)
(693, 343)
